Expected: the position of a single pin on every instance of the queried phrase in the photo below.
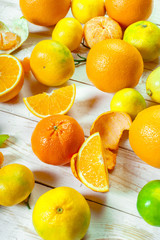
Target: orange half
(59, 101)
(11, 77)
(91, 165)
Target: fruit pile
(118, 44)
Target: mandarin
(44, 12)
(144, 135)
(113, 64)
(127, 12)
(56, 138)
(101, 28)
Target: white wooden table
(113, 214)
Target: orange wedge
(74, 165)
(59, 101)
(91, 166)
(1, 158)
(11, 77)
(110, 126)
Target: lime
(148, 203)
(145, 36)
(153, 85)
(128, 100)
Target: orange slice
(91, 166)
(1, 158)
(74, 165)
(59, 101)
(11, 77)
(110, 126)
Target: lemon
(52, 63)
(128, 100)
(145, 36)
(153, 85)
(16, 183)
(84, 10)
(69, 32)
(61, 214)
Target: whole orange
(127, 12)
(56, 138)
(144, 135)
(44, 12)
(114, 64)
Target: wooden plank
(106, 223)
(126, 180)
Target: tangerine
(56, 138)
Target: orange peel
(1, 158)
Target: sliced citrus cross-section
(59, 101)
(11, 77)
(91, 165)
(74, 165)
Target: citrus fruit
(74, 165)
(59, 101)
(153, 85)
(110, 126)
(145, 36)
(11, 77)
(101, 28)
(26, 64)
(69, 32)
(84, 10)
(51, 63)
(16, 183)
(148, 203)
(1, 158)
(114, 64)
(56, 138)
(8, 40)
(144, 135)
(44, 12)
(128, 100)
(127, 12)
(91, 165)
(61, 213)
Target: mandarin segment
(8, 40)
(59, 101)
(110, 126)
(110, 158)
(91, 166)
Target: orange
(111, 126)
(114, 64)
(1, 158)
(127, 12)
(58, 101)
(91, 166)
(56, 138)
(101, 28)
(144, 135)
(11, 77)
(44, 12)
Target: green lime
(148, 203)
(145, 36)
(153, 85)
(128, 100)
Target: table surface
(113, 214)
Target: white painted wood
(114, 214)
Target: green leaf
(20, 27)
(3, 138)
